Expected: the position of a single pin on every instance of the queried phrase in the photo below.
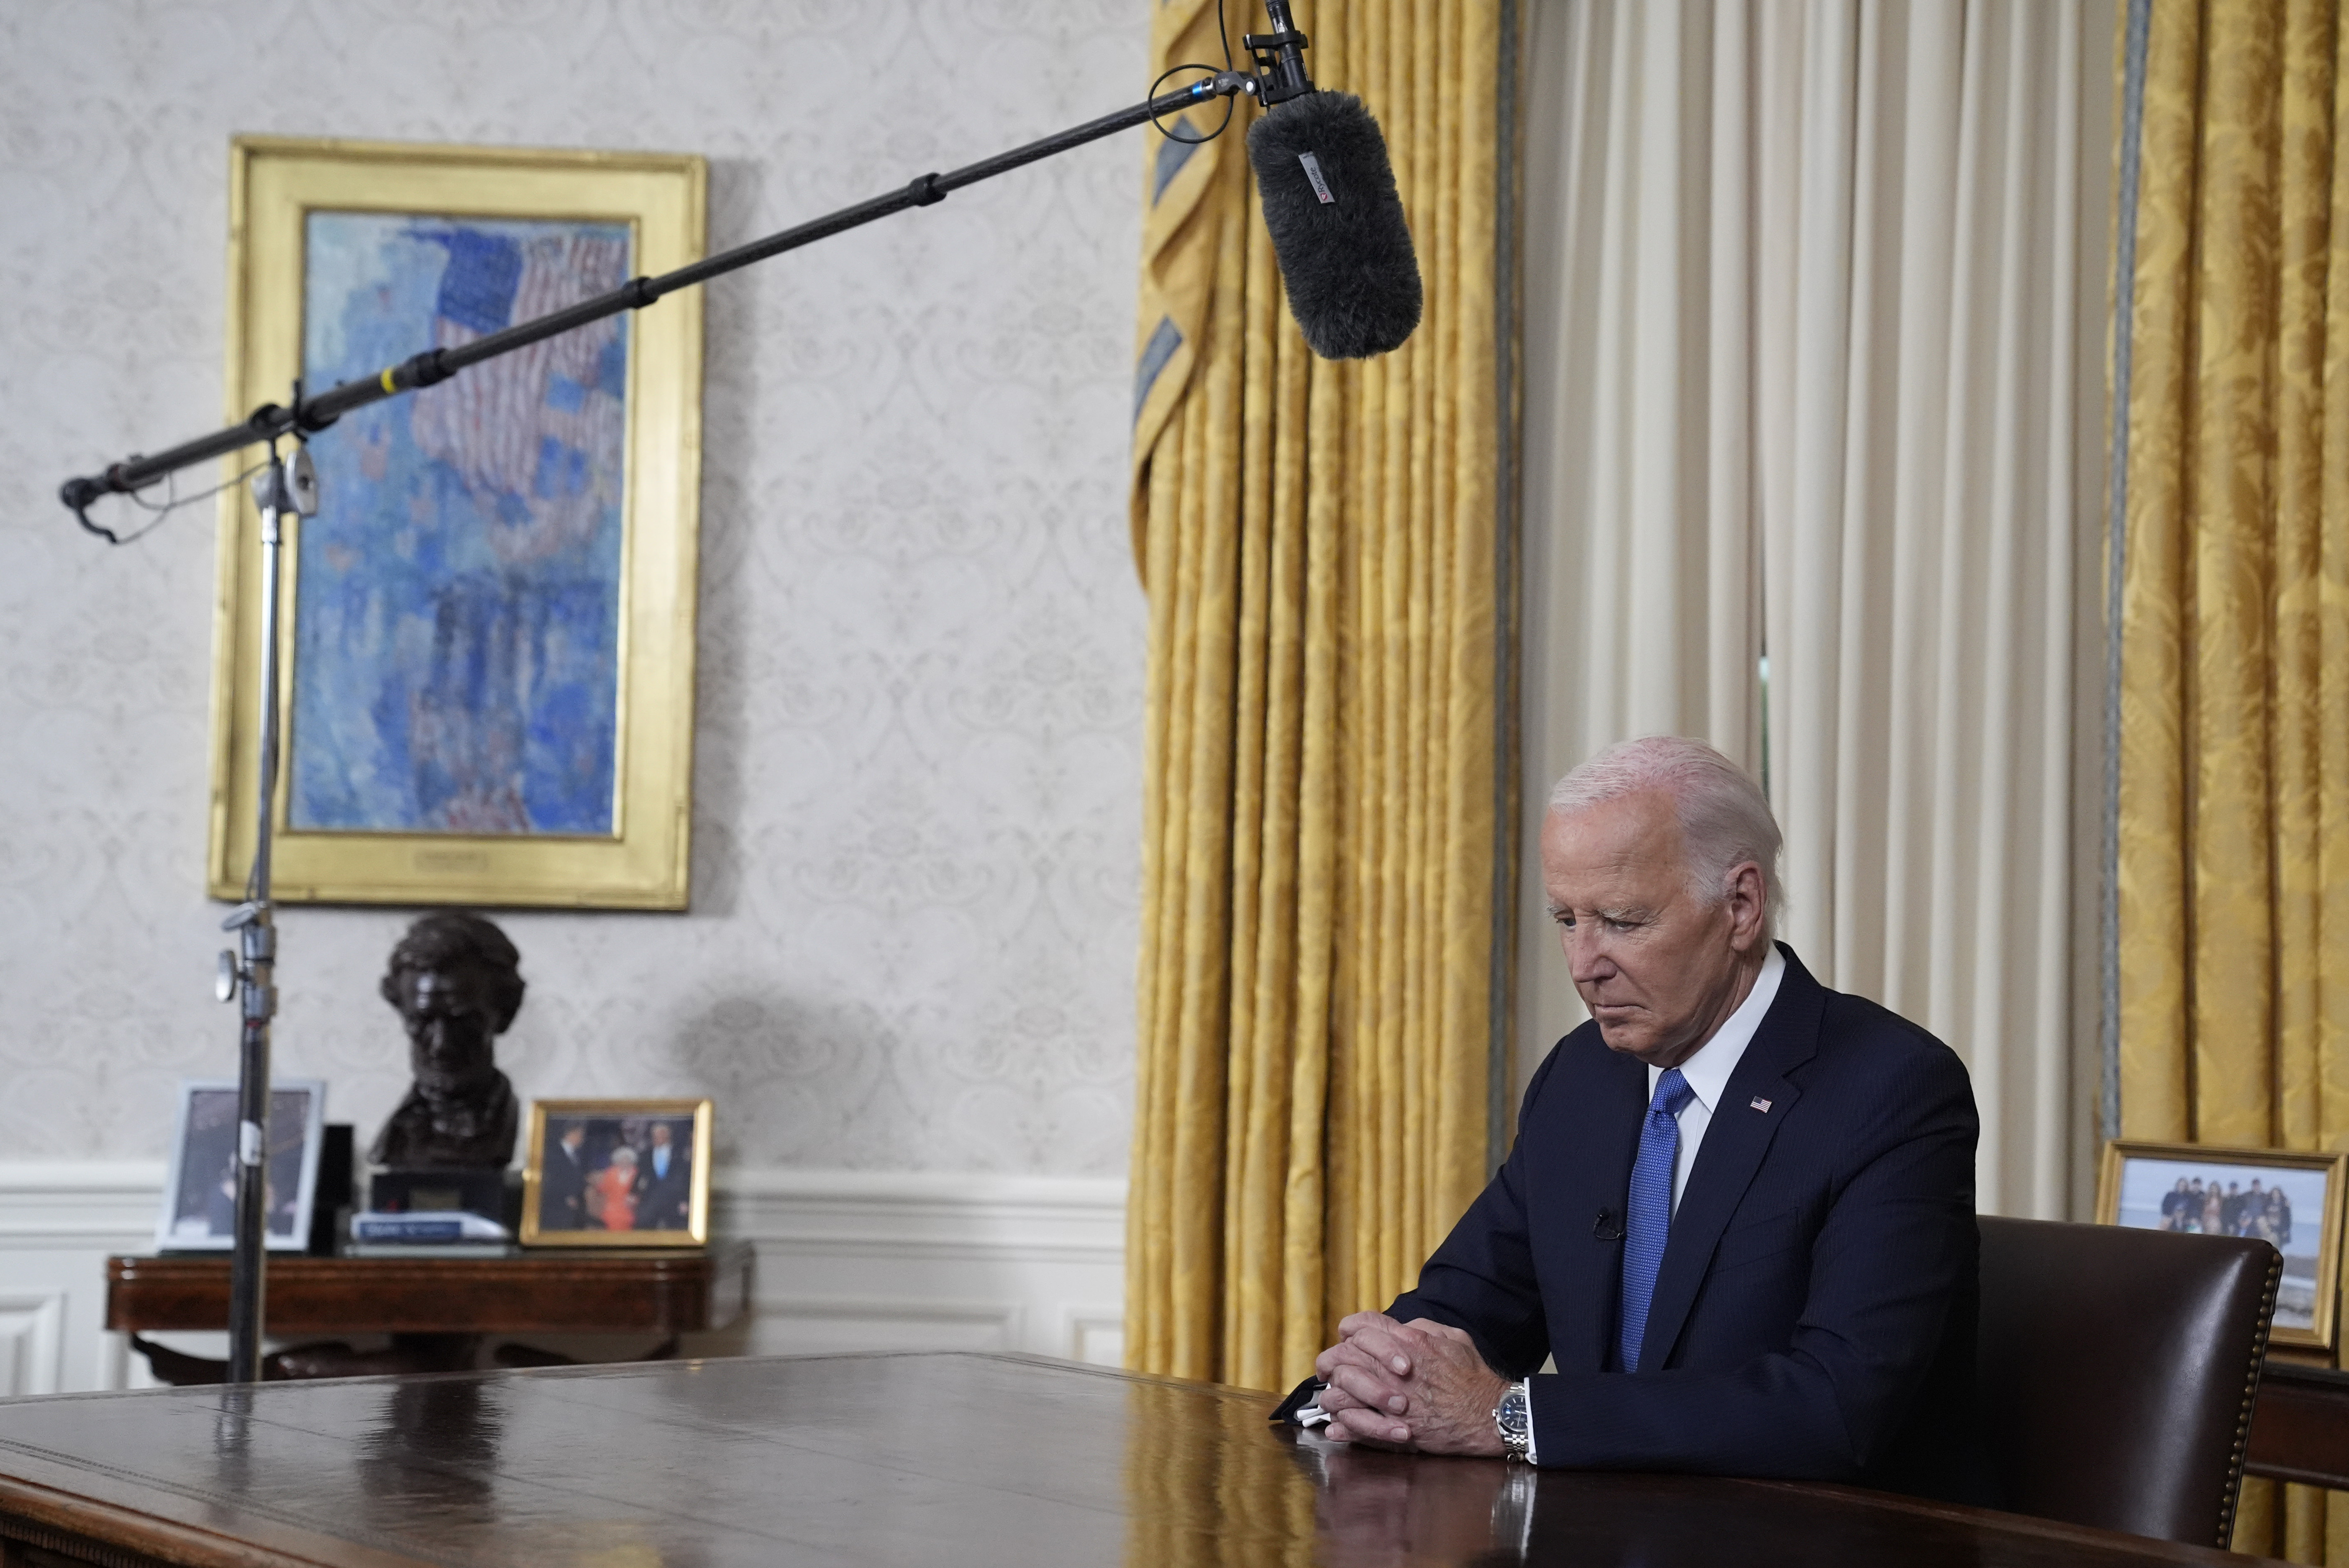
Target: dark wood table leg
(327, 1358)
(518, 1355)
(405, 1353)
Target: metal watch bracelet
(1513, 1421)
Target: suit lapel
(1734, 1145)
(1606, 1118)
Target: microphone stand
(288, 488)
(283, 488)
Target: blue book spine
(406, 1230)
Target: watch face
(1511, 1416)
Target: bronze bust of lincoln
(457, 983)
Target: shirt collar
(1708, 1071)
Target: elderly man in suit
(1739, 1211)
(665, 1183)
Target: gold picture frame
(609, 1135)
(618, 833)
(2141, 1184)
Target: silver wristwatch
(1513, 1419)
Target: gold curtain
(2234, 744)
(1325, 724)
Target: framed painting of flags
(488, 643)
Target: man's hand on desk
(1419, 1386)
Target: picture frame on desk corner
(2177, 1187)
(594, 1175)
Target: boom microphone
(1330, 205)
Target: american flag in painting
(524, 424)
(457, 628)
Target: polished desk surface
(855, 1460)
(680, 1290)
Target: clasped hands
(1419, 1386)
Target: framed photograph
(616, 1173)
(488, 642)
(2293, 1201)
(199, 1189)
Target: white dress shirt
(1708, 1071)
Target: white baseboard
(845, 1261)
(871, 1261)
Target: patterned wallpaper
(917, 792)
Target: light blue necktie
(1650, 1219)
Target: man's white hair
(1724, 818)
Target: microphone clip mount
(1280, 58)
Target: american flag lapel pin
(1760, 1104)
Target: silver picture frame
(199, 1189)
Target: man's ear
(1745, 899)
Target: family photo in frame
(2291, 1200)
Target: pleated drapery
(1808, 376)
(2233, 810)
(1326, 767)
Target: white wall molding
(873, 1260)
(846, 1261)
(1044, 1218)
(58, 1220)
(32, 1341)
(102, 1203)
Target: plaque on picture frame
(616, 1173)
(489, 635)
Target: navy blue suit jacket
(1814, 1313)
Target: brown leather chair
(2116, 1372)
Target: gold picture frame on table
(488, 644)
(616, 1173)
(2291, 1199)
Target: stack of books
(428, 1233)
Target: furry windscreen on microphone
(1337, 225)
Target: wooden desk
(855, 1460)
(582, 1292)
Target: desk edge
(52, 1508)
(2022, 1523)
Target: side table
(2299, 1427)
(437, 1309)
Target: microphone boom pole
(271, 421)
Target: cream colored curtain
(2233, 804)
(1809, 376)
(1325, 769)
